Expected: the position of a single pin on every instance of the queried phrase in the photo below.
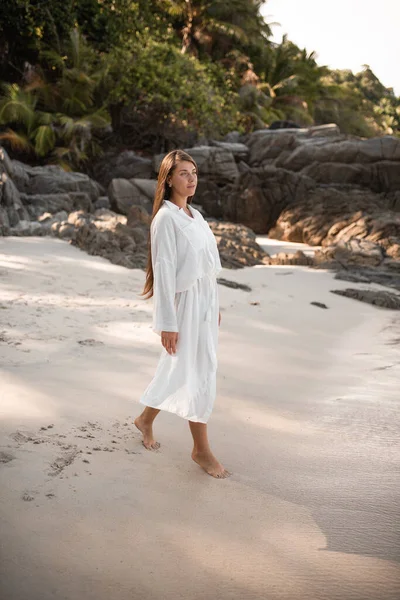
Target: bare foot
(147, 430)
(209, 463)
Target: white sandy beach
(306, 418)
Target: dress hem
(173, 412)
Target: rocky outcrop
(388, 274)
(124, 193)
(237, 245)
(330, 217)
(126, 165)
(259, 195)
(215, 163)
(383, 299)
(311, 185)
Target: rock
(66, 231)
(4, 221)
(237, 245)
(11, 202)
(298, 258)
(394, 250)
(353, 252)
(267, 144)
(328, 216)
(353, 277)
(102, 202)
(384, 275)
(39, 204)
(61, 216)
(81, 201)
(259, 196)
(234, 284)
(208, 195)
(52, 179)
(124, 193)
(233, 137)
(137, 214)
(319, 304)
(117, 245)
(239, 151)
(140, 235)
(27, 228)
(215, 163)
(78, 218)
(6, 163)
(54, 227)
(383, 299)
(344, 152)
(126, 165)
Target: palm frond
(17, 106)
(45, 140)
(17, 141)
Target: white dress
(186, 263)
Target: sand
(306, 418)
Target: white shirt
(183, 249)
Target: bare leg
(144, 423)
(202, 454)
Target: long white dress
(186, 263)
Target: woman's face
(184, 179)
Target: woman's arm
(164, 261)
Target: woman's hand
(169, 340)
(219, 319)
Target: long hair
(168, 165)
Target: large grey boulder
(381, 298)
(354, 252)
(259, 196)
(124, 193)
(266, 144)
(37, 204)
(209, 196)
(11, 203)
(126, 165)
(238, 150)
(52, 179)
(328, 216)
(216, 163)
(352, 151)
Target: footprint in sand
(27, 496)
(60, 463)
(90, 342)
(113, 440)
(6, 457)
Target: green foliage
(184, 90)
(54, 116)
(27, 25)
(168, 71)
(358, 103)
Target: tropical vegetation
(82, 76)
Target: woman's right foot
(147, 430)
(210, 464)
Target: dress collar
(174, 206)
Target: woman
(181, 275)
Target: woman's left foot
(210, 464)
(148, 440)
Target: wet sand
(307, 418)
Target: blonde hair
(168, 165)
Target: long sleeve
(164, 262)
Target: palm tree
(55, 115)
(202, 24)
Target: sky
(345, 34)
